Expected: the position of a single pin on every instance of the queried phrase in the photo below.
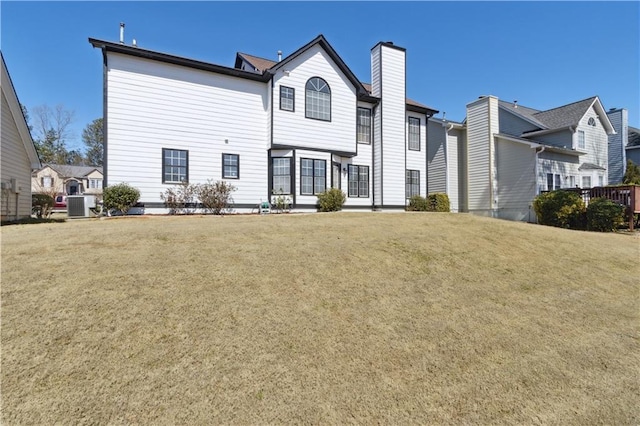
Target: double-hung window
(586, 181)
(95, 183)
(312, 176)
(414, 134)
(553, 182)
(317, 99)
(287, 98)
(230, 166)
(358, 181)
(47, 181)
(412, 183)
(175, 165)
(281, 169)
(581, 142)
(364, 125)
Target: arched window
(318, 99)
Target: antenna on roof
(279, 55)
(121, 32)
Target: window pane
(414, 133)
(364, 125)
(318, 99)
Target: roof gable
(18, 117)
(571, 114)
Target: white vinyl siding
(436, 155)
(480, 162)
(389, 83)
(294, 129)
(153, 105)
(596, 141)
(516, 180)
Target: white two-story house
(503, 154)
(296, 126)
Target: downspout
(536, 170)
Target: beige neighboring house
(64, 179)
(18, 155)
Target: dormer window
(591, 122)
(318, 99)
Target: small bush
(180, 198)
(563, 209)
(418, 204)
(603, 215)
(215, 196)
(41, 205)
(120, 197)
(438, 202)
(331, 200)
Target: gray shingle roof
(634, 137)
(590, 166)
(261, 64)
(565, 116)
(523, 111)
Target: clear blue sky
(544, 54)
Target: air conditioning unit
(14, 186)
(80, 205)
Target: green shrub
(120, 197)
(215, 196)
(331, 200)
(180, 198)
(563, 209)
(41, 205)
(603, 215)
(417, 204)
(438, 202)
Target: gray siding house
(632, 150)
(619, 118)
(504, 154)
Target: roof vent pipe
(135, 43)
(121, 32)
(279, 55)
(515, 104)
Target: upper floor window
(230, 166)
(364, 125)
(175, 165)
(47, 181)
(414, 134)
(581, 143)
(95, 183)
(312, 176)
(591, 122)
(318, 99)
(287, 98)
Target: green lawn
(421, 318)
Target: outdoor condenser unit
(80, 205)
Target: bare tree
(51, 132)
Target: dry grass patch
(325, 318)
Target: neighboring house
(18, 153)
(296, 126)
(66, 179)
(619, 118)
(504, 154)
(633, 146)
